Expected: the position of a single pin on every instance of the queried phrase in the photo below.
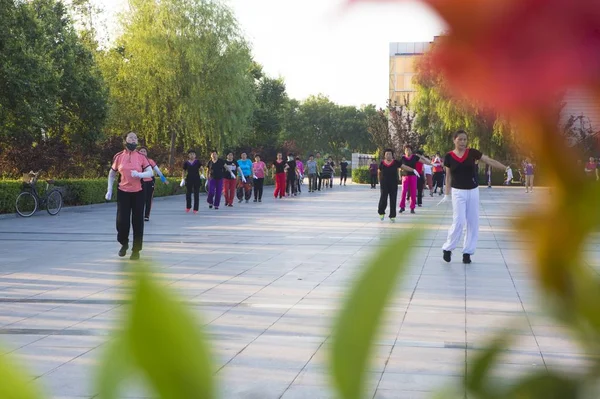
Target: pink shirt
(300, 166)
(125, 162)
(259, 169)
(152, 165)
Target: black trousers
(244, 190)
(192, 186)
(130, 211)
(343, 177)
(373, 181)
(148, 187)
(258, 188)
(319, 180)
(438, 181)
(391, 191)
(420, 186)
(291, 185)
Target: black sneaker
(402, 210)
(210, 206)
(255, 200)
(419, 205)
(146, 219)
(448, 256)
(123, 250)
(135, 255)
(412, 211)
(259, 200)
(466, 259)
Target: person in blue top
(244, 190)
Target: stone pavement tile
(395, 394)
(320, 363)
(418, 382)
(512, 356)
(254, 382)
(69, 380)
(569, 362)
(41, 360)
(424, 360)
(12, 342)
(69, 341)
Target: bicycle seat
(50, 181)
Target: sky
(325, 47)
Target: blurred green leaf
(167, 343)
(115, 367)
(476, 380)
(15, 384)
(360, 318)
(547, 385)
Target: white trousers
(465, 213)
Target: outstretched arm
(111, 180)
(160, 174)
(492, 162)
(424, 160)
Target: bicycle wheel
(54, 202)
(26, 204)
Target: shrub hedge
(85, 191)
(361, 175)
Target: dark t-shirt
(193, 169)
(412, 162)
(373, 168)
(344, 166)
(279, 166)
(463, 171)
(217, 168)
(389, 172)
(291, 172)
(234, 168)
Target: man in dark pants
(320, 164)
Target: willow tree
(180, 74)
(439, 114)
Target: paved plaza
(266, 280)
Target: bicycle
(29, 200)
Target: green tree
(180, 75)
(50, 87)
(318, 124)
(269, 114)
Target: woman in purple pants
(216, 171)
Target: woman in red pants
(409, 181)
(279, 168)
(230, 179)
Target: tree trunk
(172, 152)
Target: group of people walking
(461, 186)
(225, 179)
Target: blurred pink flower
(517, 53)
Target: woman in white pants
(463, 185)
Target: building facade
(403, 57)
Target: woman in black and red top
(462, 184)
(279, 166)
(410, 182)
(388, 183)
